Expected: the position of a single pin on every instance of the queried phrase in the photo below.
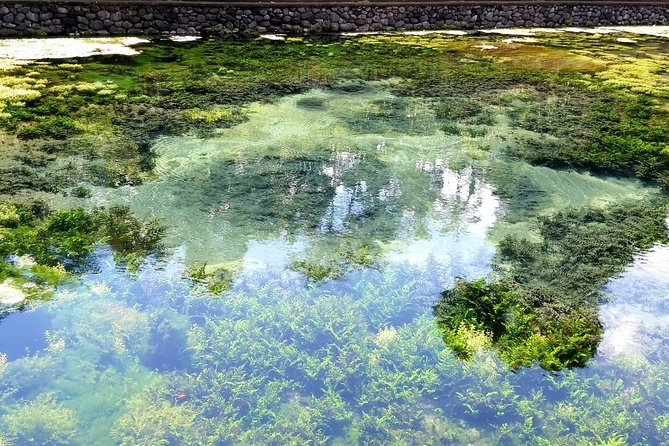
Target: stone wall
(50, 18)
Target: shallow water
(153, 357)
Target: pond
(374, 239)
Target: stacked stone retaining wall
(51, 18)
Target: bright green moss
(59, 127)
(475, 314)
(217, 278)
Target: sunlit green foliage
(472, 312)
(217, 278)
(59, 127)
(149, 358)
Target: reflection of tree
(339, 193)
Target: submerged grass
(277, 363)
(171, 89)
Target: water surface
(371, 186)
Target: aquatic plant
(610, 132)
(580, 249)
(545, 308)
(463, 110)
(158, 421)
(41, 421)
(356, 359)
(318, 270)
(59, 127)
(475, 315)
(218, 278)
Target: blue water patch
(22, 333)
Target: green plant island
(281, 219)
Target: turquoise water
(153, 357)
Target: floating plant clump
(370, 240)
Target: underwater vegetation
(337, 262)
(475, 315)
(248, 242)
(217, 278)
(94, 121)
(544, 306)
(42, 421)
(610, 131)
(276, 363)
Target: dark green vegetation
(346, 351)
(609, 131)
(176, 89)
(68, 236)
(545, 308)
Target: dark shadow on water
(168, 344)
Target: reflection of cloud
(470, 207)
(468, 202)
(639, 312)
(277, 253)
(347, 201)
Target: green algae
(168, 88)
(42, 421)
(217, 278)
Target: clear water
(151, 357)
